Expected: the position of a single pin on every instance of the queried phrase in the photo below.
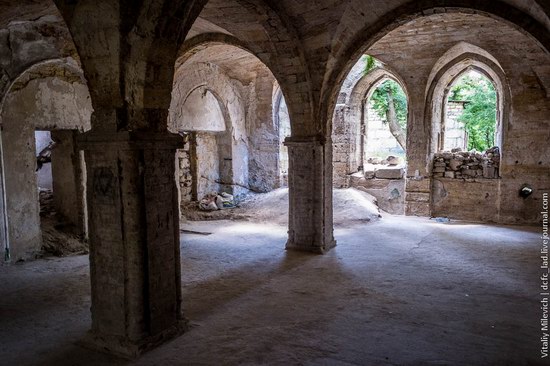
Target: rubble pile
(459, 164)
(388, 168)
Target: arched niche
(369, 118)
(203, 115)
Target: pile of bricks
(458, 164)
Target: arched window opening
(471, 113)
(369, 133)
(386, 124)
(470, 122)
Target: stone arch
(437, 92)
(142, 59)
(267, 32)
(366, 87)
(49, 95)
(64, 68)
(351, 106)
(368, 35)
(456, 51)
(203, 41)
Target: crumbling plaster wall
(525, 150)
(229, 97)
(202, 115)
(208, 164)
(25, 47)
(47, 103)
(262, 124)
(247, 107)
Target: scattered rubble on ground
(59, 238)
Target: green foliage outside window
(380, 102)
(479, 115)
(389, 102)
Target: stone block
(389, 173)
(468, 172)
(449, 174)
(369, 172)
(422, 185)
(417, 197)
(455, 164)
(417, 209)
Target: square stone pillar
(310, 194)
(134, 240)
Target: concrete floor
(401, 291)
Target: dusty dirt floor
(398, 291)
(350, 207)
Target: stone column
(310, 194)
(134, 240)
(420, 147)
(66, 176)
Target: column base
(291, 245)
(125, 348)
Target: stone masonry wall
(184, 174)
(263, 134)
(525, 158)
(455, 132)
(380, 142)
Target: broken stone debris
(214, 201)
(389, 173)
(388, 168)
(457, 164)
